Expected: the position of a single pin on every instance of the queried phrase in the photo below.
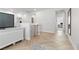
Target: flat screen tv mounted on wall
(6, 20)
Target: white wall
(66, 20)
(26, 18)
(47, 20)
(75, 26)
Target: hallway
(46, 41)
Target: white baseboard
(48, 32)
(70, 39)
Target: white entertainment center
(10, 36)
(10, 33)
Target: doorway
(60, 16)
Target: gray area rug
(38, 47)
(42, 47)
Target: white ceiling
(27, 10)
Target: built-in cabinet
(10, 36)
(30, 30)
(36, 29)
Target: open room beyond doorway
(60, 17)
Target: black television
(6, 20)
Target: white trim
(49, 31)
(70, 39)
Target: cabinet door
(5, 39)
(9, 37)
